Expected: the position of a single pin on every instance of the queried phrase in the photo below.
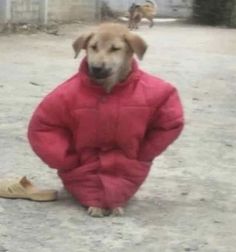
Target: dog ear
(81, 43)
(137, 44)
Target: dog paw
(96, 212)
(118, 211)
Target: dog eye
(94, 47)
(115, 49)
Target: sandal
(22, 188)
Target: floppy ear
(137, 44)
(81, 43)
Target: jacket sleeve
(49, 134)
(166, 125)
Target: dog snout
(96, 70)
(99, 72)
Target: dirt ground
(188, 203)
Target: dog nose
(97, 69)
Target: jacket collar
(132, 77)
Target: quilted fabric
(102, 144)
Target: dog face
(109, 52)
(106, 53)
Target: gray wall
(4, 11)
(33, 11)
(68, 10)
(36, 11)
(119, 5)
(175, 8)
(26, 11)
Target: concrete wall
(175, 8)
(68, 10)
(43, 11)
(34, 11)
(2, 11)
(121, 5)
(5, 11)
(25, 11)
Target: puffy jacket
(102, 144)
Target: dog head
(133, 8)
(109, 50)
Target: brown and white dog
(147, 10)
(109, 51)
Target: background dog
(136, 12)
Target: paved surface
(188, 203)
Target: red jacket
(102, 144)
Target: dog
(136, 12)
(102, 127)
(109, 53)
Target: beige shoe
(22, 188)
